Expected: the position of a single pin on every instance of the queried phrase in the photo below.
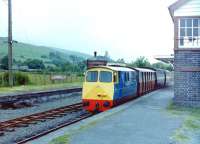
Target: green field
(22, 51)
(40, 82)
(32, 88)
(44, 78)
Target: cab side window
(115, 77)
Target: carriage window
(127, 78)
(105, 76)
(92, 76)
(132, 76)
(127, 75)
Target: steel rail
(69, 122)
(10, 100)
(10, 125)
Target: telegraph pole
(10, 58)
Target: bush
(19, 79)
(34, 64)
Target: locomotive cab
(98, 89)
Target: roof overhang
(175, 6)
(165, 58)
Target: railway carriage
(161, 78)
(146, 80)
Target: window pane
(199, 22)
(128, 76)
(92, 76)
(181, 42)
(105, 76)
(195, 32)
(189, 22)
(182, 22)
(182, 32)
(195, 23)
(189, 31)
(190, 39)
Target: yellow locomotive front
(98, 89)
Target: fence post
(44, 76)
(2, 80)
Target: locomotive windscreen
(105, 76)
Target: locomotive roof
(144, 70)
(114, 68)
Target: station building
(186, 18)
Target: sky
(125, 28)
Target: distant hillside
(23, 51)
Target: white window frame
(195, 40)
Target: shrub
(19, 79)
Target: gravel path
(69, 99)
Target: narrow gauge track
(10, 101)
(10, 125)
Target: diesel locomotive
(105, 87)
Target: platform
(142, 121)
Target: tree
(34, 64)
(4, 62)
(55, 55)
(141, 62)
(161, 65)
(121, 60)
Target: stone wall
(187, 78)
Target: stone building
(186, 17)
(97, 60)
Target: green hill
(23, 51)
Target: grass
(41, 82)
(22, 51)
(180, 137)
(61, 140)
(64, 139)
(42, 78)
(28, 88)
(190, 125)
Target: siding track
(11, 125)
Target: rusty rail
(69, 122)
(10, 125)
(10, 100)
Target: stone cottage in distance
(186, 17)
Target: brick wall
(187, 78)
